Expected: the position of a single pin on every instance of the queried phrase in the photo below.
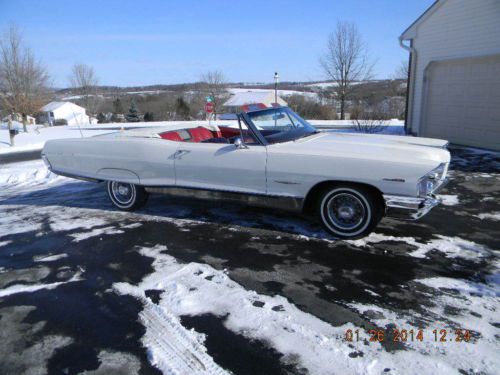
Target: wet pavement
(63, 247)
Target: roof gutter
(410, 86)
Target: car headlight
(428, 183)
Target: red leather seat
(171, 136)
(200, 134)
(228, 132)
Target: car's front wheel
(349, 211)
(125, 196)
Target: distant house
(454, 80)
(66, 112)
(253, 100)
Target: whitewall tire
(349, 211)
(125, 196)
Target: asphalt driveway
(186, 286)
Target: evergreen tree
(101, 118)
(182, 109)
(133, 114)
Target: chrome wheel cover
(345, 211)
(123, 193)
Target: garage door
(462, 102)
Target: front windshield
(281, 125)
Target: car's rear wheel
(125, 196)
(349, 211)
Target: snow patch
(65, 221)
(115, 363)
(196, 289)
(95, 232)
(449, 200)
(26, 174)
(451, 247)
(495, 216)
(49, 258)
(21, 288)
(171, 347)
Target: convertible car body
(272, 158)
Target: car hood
(374, 146)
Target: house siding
(458, 28)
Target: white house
(454, 83)
(251, 100)
(72, 113)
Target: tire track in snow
(173, 348)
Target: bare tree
(346, 61)
(370, 121)
(23, 79)
(84, 80)
(398, 88)
(401, 71)
(215, 83)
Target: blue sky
(153, 42)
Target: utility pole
(11, 131)
(276, 79)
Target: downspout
(410, 86)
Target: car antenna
(78, 122)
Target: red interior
(198, 134)
(228, 132)
(171, 136)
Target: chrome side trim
(394, 179)
(409, 208)
(259, 200)
(287, 182)
(76, 177)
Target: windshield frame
(295, 134)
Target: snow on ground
(451, 247)
(26, 174)
(449, 200)
(195, 289)
(325, 85)
(282, 93)
(50, 258)
(490, 216)
(96, 232)
(37, 135)
(22, 288)
(114, 363)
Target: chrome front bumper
(412, 208)
(408, 208)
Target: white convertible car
(273, 158)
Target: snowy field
(37, 135)
(185, 287)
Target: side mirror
(238, 143)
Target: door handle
(178, 154)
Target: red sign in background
(209, 107)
